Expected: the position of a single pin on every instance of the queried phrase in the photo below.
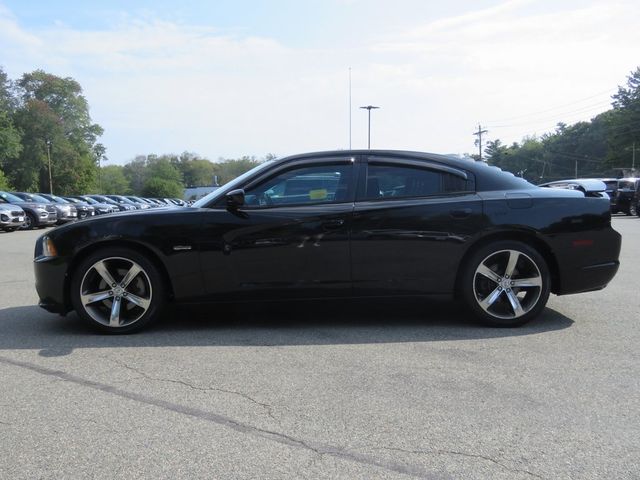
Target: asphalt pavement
(358, 390)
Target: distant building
(196, 193)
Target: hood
(114, 217)
(103, 205)
(32, 205)
(10, 207)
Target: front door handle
(461, 213)
(333, 224)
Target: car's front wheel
(506, 283)
(29, 221)
(633, 209)
(117, 290)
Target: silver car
(11, 217)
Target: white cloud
(159, 86)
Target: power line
(552, 108)
(582, 110)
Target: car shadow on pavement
(326, 323)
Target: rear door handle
(461, 213)
(333, 224)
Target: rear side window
(393, 181)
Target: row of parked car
(624, 193)
(22, 210)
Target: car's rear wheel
(117, 290)
(633, 209)
(506, 283)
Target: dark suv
(625, 198)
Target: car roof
(490, 177)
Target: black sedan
(335, 225)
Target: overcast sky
(232, 78)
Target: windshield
(102, 199)
(38, 198)
(9, 198)
(231, 184)
(90, 200)
(58, 199)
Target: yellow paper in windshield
(319, 194)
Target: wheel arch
(94, 247)
(527, 237)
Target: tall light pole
(369, 108)
(48, 142)
(349, 108)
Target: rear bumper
(50, 275)
(586, 267)
(589, 278)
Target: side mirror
(235, 198)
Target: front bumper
(51, 278)
(47, 218)
(8, 220)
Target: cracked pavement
(356, 390)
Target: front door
(291, 238)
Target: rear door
(410, 225)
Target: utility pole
(369, 108)
(479, 141)
(576, 168)
(48, 142)
(633, 158)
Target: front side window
(393, 181)
(326, 183)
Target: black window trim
(410, 163)
(352, 160)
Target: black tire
(499, 292)
(148, 283)
(9, 230)
(633, 209)
(30, 221)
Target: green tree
(159, 187)
(53, 112)
(10, 137)
(4, 183)
(228, 169)
(136, 173)
(623, 122)
(196, 171)
(113, 181)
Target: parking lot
(361, 390)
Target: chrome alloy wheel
(507, 284)
(116, 292)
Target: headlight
(48, 248)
